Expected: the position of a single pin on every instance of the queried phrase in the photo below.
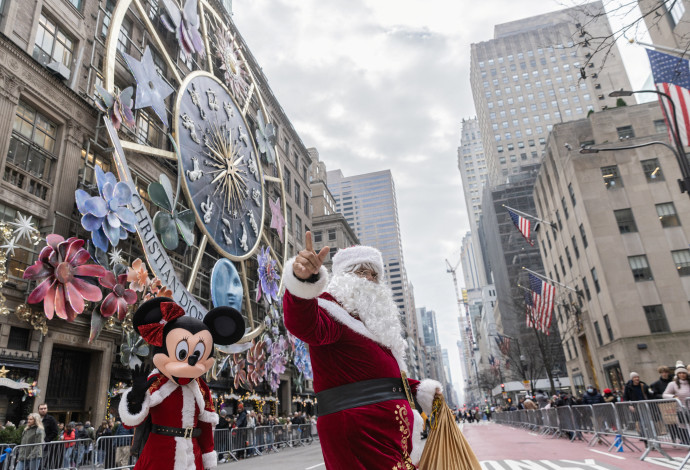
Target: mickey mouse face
(186, 356)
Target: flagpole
(544, 278)
(529, 216)
(662, 48)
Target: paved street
(498, 448)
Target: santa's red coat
(177, 406)
(370, 437)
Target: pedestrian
(69, 458)
(90, 434)
(29, 458)
(657, 389)
(635, 389)
(122, 444)
(542, 398)
(50, 428)
(592, 396)
(529, 405)
(608, 396)
(82, 447)
(679, 388)
(102, 445)
(354, 333)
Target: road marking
(606, 453)
(586, 464)
(664, 462)
(314, 466)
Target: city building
(621, 241)
(369, 204)
(667, 23)
(433, 355)
(52, 53)
(530, 77)
(329, 227)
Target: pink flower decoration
(59, 268)
(138, 276)
(120, 297)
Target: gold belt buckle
(188, 432)
(406, 386)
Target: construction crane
(465, 325)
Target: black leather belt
(366, 392)
(186, 433)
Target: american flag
(543, 295)
(503, 343)
(529, 310)
(672, 76)
(522, 224)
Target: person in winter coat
(592, 396)
(680, 389)
(635, 389)
(609, 397)
(542, 398)
(69, 434)
(657, 389)
(29, 458)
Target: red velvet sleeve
(413, 385)
(206, 438)
(309, 322)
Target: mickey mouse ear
(149, 312)
(226, 325)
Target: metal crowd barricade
(53, 455)
(635, 422)
(550, 418)
(112, 452)
(606, 423)
(281, 436)
(222, 441)
(243, 442)
(566, 423)
(263, 439)
(666, 424)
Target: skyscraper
(530, 76)
(369, 204)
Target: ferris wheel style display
(223, 148)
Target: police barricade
(222, 442)
(608, 423)
(5, 451)
(666, 423)
(243, 442)
(550, 419)
(281, 436)
(263, 439)
(533, 418)
(112, 452)
(566, 423)
(583, 419)
(47, 455)
(633, 421)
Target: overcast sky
(384, 84)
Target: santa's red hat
(354, 255)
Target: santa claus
(354, 333)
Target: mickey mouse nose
(193, 359)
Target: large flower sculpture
(138, 276)
(256, 363)
(232, 65)
(134, 347)
(238, 371)
(185, 24)
(268, 276)
(302, 359)
(59, 271)
(276, 362)
(169, 221)
(106, 216)
(266, 137)
(119, 298)
(118, 106)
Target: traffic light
(510, 400)
(503, 387)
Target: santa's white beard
(373, 304)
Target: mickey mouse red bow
(153, 333)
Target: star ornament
(10, 246)
(277, 219)
(23, 227)
(152, 90)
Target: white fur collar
(340, 315)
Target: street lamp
(680, 154)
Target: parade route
(498, 448)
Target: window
(305, 200)
(652, 170)
(588, 294)
(575, 248)
(640, 268)
(567, 256)
(297, 193)
(595, 278)
(656, 318)
(318, 236)
(333, 252)
(287, 181)
(565, 207)
(572, 194)
(682, 260)
(626, 221)
(625, 132)
(611, 176)
(331, 234)
(676, 9)
(52, 44)
(20, 338)
(667, 215)
(609, 330)
(660, 126)
(289, 219)
(298, 228)
(30, 156)
(598, 332)
(147, 131)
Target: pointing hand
(308, 261)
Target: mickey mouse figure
(178, 400)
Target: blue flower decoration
(268, 277)
(106, 216)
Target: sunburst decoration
(228, 175)
(231, 63)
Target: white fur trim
(162, 393)
(426, 390)
(184, 448)
(128, 418)
(209, 459)
(417, 442)
(204, 414)
(340, 315)
(354, 255)
(184, 454)
(301, 289)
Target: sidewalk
(500, 447)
